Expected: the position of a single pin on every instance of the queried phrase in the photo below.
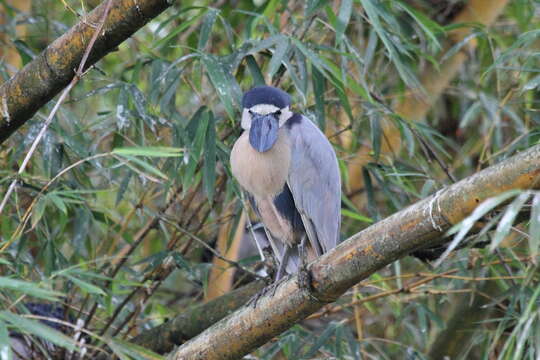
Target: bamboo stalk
(221, 276)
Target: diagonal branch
(358, 257)
(45, 76)
(190, 323)
(78, 75)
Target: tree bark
(193, 321)
(358, 257)
(45, 76)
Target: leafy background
(115, 215)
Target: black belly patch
(284, 203)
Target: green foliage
(132, 177)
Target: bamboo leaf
(375, 134)
(38, 329)
(270, 9)
(459, 46)
(343, 19)
(58, 202)
(471, 114)
(197, 129)
(39, 211)
(224, 84)
(508, 219)
(5, 343)
(534, 229)
(29, 288)
(256, 74)
(206, 28)
(525, 39)
(209, 168)
(466, 224)
(144, 165)
(178, 29)
(86, 286)
(123, 187)
(279, 55)
(371, 205)
(129, 351)
(356, 216)
(430, 27)
(152, 151)
(532, 84)
(375, 14)
(329, 331)
(301, 70)
(319, 87)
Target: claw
(304, 278)
(253, 301)
(304, 275)
(270, 288)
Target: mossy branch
(52, 70)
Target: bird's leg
(304, 277)
(280, 276)
(283, 264)
(282, 270)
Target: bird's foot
(269, 289)
(305, 281)
(304, 276)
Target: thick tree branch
(195, 320)
(41, 79)
(358, 257)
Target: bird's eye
(278, 112)
(250, 112)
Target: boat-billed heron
(290, 172)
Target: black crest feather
(266, 95)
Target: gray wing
(315, 184)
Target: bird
(290, 173)
(29, 346)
